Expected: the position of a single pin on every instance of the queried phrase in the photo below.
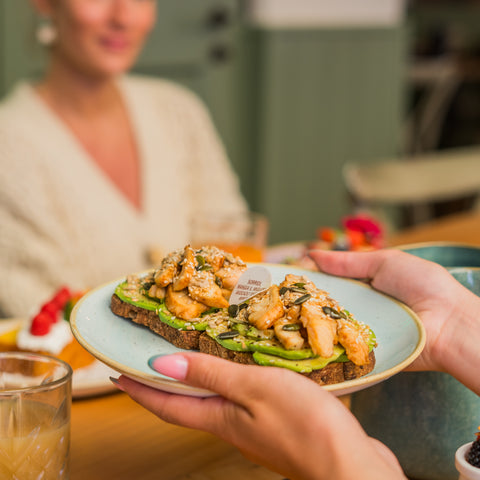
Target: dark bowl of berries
(467, 460)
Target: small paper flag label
(252, 281)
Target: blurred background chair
(403, 193)
(441, 80)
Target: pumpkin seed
(227, 335)
(291, 327)
(233, 310)
(200, 260)
(299, 285)
(302, 299)
(283, 290)
(331, 312)
(298, 290)
(147, 285)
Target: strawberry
(41, 324)
(76, 296)
(51, 309)
(61, 297)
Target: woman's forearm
(457, 350)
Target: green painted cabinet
(325, 97)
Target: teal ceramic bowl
(423, 417)
(468, 276)
(447, 254)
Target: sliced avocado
(301, 366)
(241, 328)
(141, 300)
(254, 333)
(372, 343)
(276, 349)
(178, 323)
(240, 343)
(260, 334)
(158, 306)
(271, 352)
(243, 343)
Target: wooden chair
(407, 192)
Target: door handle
(220, 53)
(218, 18)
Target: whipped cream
(53, 342)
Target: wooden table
(462, 228)
(114, 438)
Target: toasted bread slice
(187, 339)
(334, 372)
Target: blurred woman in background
(98, 166)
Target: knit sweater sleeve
(28, 240)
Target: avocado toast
(293, 325)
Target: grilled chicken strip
(168, 269)
(321, 329)
(291, 279)
(213, 256)
(353, 341)
(265, 309)
(203, 288)
(188, 268)
(290, 339)
(182, 306)
(229, 274)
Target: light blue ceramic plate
(126, 346)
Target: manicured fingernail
(116, 383)
(174, 366)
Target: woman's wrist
(348, 452)
(458, 340)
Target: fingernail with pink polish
(173, 366)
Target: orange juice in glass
(242, 234)
(35, 399)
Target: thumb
(211, 373)
(362, 265)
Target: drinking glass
(243, 234)
(35, 400)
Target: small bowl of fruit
(467, 459)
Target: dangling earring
(46, 32)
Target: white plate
(86, 382)
(92, 380)
(285, 252)
(127, 347)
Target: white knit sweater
(63, 222)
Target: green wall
(325, 98)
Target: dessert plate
(86, 382)
(126, 347)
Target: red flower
(371, 228)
